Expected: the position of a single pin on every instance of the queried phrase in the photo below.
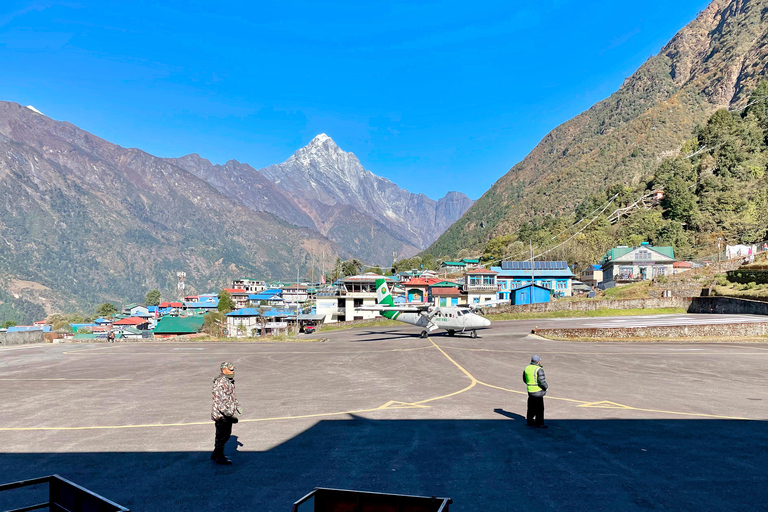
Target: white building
(339, 304)
(626, 265)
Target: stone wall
(21, 338)
(593, 305)
(658, 331)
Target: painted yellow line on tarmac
(613, 405)
(472, 384)
(389, 405)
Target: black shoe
(542, 426)
(224, 461)
(214, 456)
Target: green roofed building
(169, 326)
(624, 265)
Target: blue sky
(435, 96)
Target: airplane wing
(400, 308)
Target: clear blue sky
(437, 96)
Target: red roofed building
(239, 295)
(171, 305)
(444, 297)
(134, 321)
(417, 289)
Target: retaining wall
(21, 338)
(658, 331)
(728, 306)
(593, 305)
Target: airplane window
(460, 313)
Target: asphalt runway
(633, 426)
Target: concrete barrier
(21, 338)
(596, 304)
(728, 306)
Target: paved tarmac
(633, 426)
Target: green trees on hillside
(152, 298)
(716, 187)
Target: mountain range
(84, 221)
(712, 63)
(327, 189)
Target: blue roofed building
(552, 275)
(529, 294)
(272, 297)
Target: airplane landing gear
(423, 334)
(451, 332)
(473, 334)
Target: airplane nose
(486, 322)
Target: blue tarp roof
(244, 312)
(75, 327)
(205, 304)
(29, 328)
(102, 321)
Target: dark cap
(535, 359)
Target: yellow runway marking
(592, 404)
(472, 384)
(387, 406)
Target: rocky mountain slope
(327, 189)
(322, 174)
(711, 63)
(83, 221)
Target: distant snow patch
(33, 109)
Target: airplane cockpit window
(461, 313)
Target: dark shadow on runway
(483, 465)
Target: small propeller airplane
(430, 318)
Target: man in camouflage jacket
(224, 411)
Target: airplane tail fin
(384, 297)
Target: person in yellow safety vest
(534, 378)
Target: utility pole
(533, 281)
(718, 249)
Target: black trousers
(223, 433)
(535, 415)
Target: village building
(243, 322)
(417, 289)
(339, 303)
(136, 322)
(270, 297)
(445, 296)
(552, 275)
(238, 295)
(530, 294)
(480, 285)
(295, 294)
(592, 276)
(170, 326)
(249, 285)
(679, 267)
(625, 265)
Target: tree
(106, 310)
(152, 298)
(8, 323)
(375, 270)
(213, 323)
(679, 201)
(226, 304)
(351, 267)
(464, 253)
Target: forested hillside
(716, 187)
(712, 63)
